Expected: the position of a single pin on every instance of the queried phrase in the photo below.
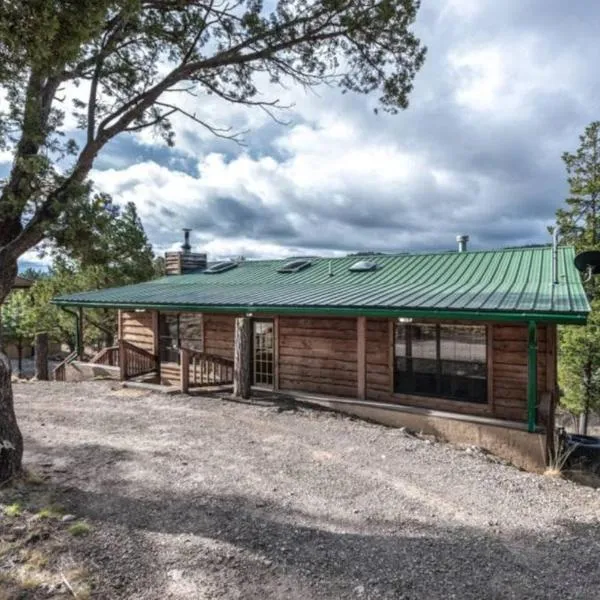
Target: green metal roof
(508, 285)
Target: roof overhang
(566, 318)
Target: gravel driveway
(204, 498)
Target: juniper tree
(132, 61)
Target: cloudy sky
(506, 88)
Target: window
(262, 340)
(364, 265)
(293, 266)
(444, 361)
(176, 331)
(221, 267)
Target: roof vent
(293, 266)
(364, 265)
(221, 267)
(462, 242)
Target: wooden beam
(361, 357)
(275, 353)
(41, 356)
(122, 361)
(156, 332)
(184, 366)
(242, 357)
(119, 324)
(391, 351)
(490, 367)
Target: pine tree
(579, 225)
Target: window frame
(438, 395)
(166, 354)
(263, 371)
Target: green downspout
(532, 377)
(78, 346)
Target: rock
(359, 590)
(68, 518)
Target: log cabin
(462, 345)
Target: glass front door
(262, 348)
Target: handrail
(203, 369)
(59, 371)
(134, 361)
(137, 349)
(209, 357)
(107, 356)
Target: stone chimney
(185, 261)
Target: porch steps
(152, 387)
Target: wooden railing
(201, 369)
(135, 361)
(107, 356)
(60, 370)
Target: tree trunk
(11, 441)
(20, 357)
(583, 422)
(41, 357)
(242, 358)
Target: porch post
(532, 391)
(122, 360)
(80, 342)
(361, 357)
(184, 360)
(242, 358)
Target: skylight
(221, 267)
(293, 266)
(364, 265)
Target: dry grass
(54, 511)
(79, 528)
(37, 557)
(13, 510)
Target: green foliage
(13, 510)
(579, 225)
(106, 247)
(129, 56)
(579, 365)
(18, 320)
(79, 529)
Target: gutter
(572, 318)
(78, 327)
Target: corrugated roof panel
(511, 281)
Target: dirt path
(201, 498)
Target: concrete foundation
(505, 439)
(81, 371)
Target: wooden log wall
(318, 355)
(137, 328)
(509, 345)
(170, 373)
(508, 348)
(219, 334)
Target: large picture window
(443, 361)
(177, 331)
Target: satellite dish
(588, 261)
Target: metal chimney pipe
(555, 256)
(462, 242)
(186, 247)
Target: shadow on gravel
(268, 550)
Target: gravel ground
(201, 498)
